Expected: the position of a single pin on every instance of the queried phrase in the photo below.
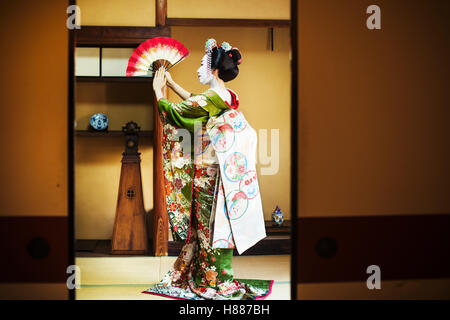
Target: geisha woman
(211, 190)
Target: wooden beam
(160, 215)
(111, 133)
(339, 249)
(115, 36)
(113, 79)
(200, 22)
(161, 12)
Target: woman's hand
(170, 82)
(159, 79)
(176, 88)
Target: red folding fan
(155, 53)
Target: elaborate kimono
(212, 197)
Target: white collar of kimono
(222, 92)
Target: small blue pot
(277, 216)
(99, 121)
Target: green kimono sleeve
(183, 114)
(196, 108)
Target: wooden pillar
(161, 12)
(160, 216)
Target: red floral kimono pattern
(200, 271)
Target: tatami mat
(124, 278)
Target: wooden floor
(124, 278)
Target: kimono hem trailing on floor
(212, 195)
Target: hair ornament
(210, 44)
(225, 58)
(225, 46)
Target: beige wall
(142, 12)
(33, 108)
(237, 9)
(373, 110)
(139, 13)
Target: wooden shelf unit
(272, 229)
(113, 79)
(110, 133)
(278, 241)
(130, 37)
(201, 22)
(117, 37)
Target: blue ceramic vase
(277, 216)
(99, 122)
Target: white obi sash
(237, 218)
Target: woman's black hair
(227, 62)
